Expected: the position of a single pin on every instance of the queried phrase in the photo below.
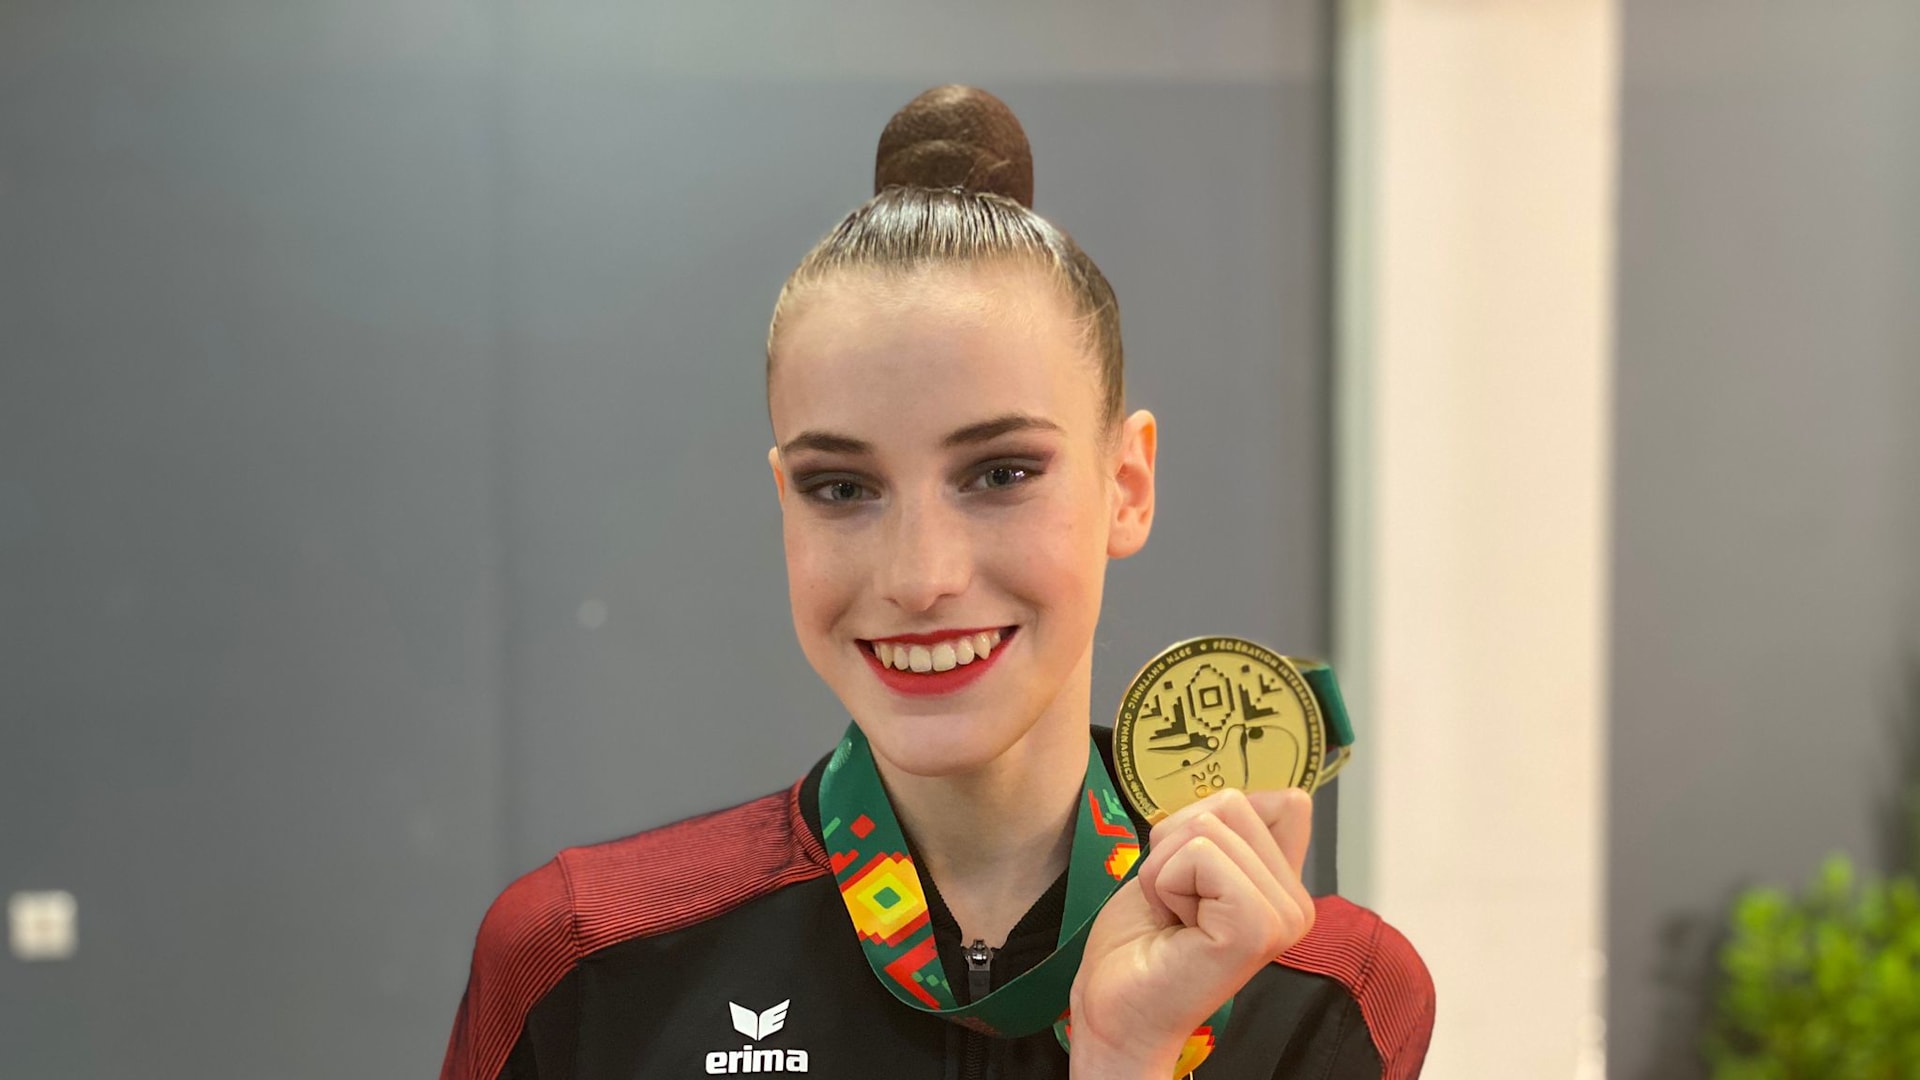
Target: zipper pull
(979, 970)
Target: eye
(838, 491)
(1000, 477)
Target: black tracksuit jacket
(721, 946)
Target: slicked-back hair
(904, 230)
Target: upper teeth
(942, 656)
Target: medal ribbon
(888, 905)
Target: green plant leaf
(1825, 984)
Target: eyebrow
(989, 430)
(828, 442)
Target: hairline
(1110, 406)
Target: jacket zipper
(973, 1054)
(979, 970)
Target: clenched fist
(1217, 898)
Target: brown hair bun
(956, 137)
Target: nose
(929, 556)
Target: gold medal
(1222, 712)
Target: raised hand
(1218, 897)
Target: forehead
(932, 351)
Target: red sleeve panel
(589, 898)
(1380, 968)
(525, 945)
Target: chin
(940, 745)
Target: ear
(1133, 485)
(779, 475)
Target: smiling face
(951, 492)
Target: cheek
(1058, 560)
(818, 574)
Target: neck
(996, 837)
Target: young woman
(947, 894)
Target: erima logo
(750, 1059)
(761, 1026)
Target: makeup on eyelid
(1026, 467)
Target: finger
(1294, 829)
(1208, 805)
(1262, 818)
(1258, 870)
(1233, 824)
(1168, 838)
(1172, 830)
(1165, 839)
(1286, 819)
(1162, 914)
(1243, 815)
(1289, 816)
(1199, 965)
(1232, 916)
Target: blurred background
(383, 499)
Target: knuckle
(1273, 932)
(1299, 923)
(1159, 833)
(1293, 927)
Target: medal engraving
(1216, 713)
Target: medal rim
(1130, 783)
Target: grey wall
(251, 607)
(382, 488)
(1766, 649)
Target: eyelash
(812, 487)
(1025, 471)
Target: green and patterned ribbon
(888, 905)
